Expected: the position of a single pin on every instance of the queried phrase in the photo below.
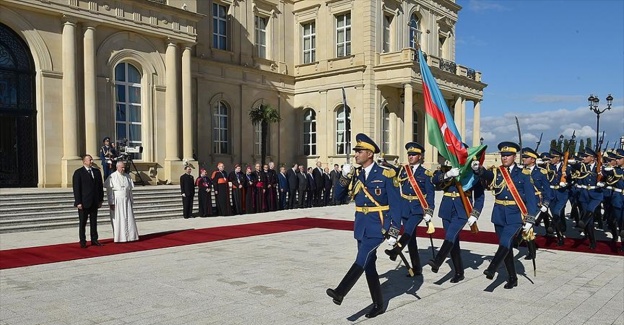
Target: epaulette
(428, 172)
(388, 172)
(526, 171)
(543, 171)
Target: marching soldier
(558, 177)
(515, 203)
(615, 179)
(454, 216)
(590, 195)
(376, 202)
(418, 193)
(608, 191)
(543, 193)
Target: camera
(125, 151)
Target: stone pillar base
(173, 169)
(68, 167)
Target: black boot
(458, 265)
(415, 257)
(496, 261)
(346, 284)
(575, 212)
(398, 247)
(512, 281)
(439, 259)
(375, 290)
(591, 235)
(585, 220)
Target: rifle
(519, 135)
(599, 160)
(539, 141)
(566, 156)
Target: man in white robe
(119, 187)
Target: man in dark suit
(328, 186)
(187, 188)
(303, 185)
(311, 189)
(319, 184)
(282, 186)
(334, 175)
(88, 196)
(293, 185)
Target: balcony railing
(471, 74)
(448, 66)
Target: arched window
(309, 132)
(343, 130)
(220, 131)
(414, 31)
(385, 130)
(415, 126)
(128, 105)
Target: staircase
(39, 209)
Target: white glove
(608, 169)
(454, 172)
(544, 208)
(563, 184)
(183, 195)
(427, 217)
(527, 226)
(392, 241)
(471, 221)
(600, 184)
(346, 169)
(571, 161)
(475, 165)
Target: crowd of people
(258, 189)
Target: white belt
(618, 190)
(609, 187)
(555, 187)
(587, 187)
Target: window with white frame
(387, 23)
(415, 126)
(309, 42)
(219, 26)
(414, 31)
(258, 139)
(220, 130)
(309, 132)
(385, 130)
(343, 35)
(343, 130)
(128, 105)
(260, 26)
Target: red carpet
(20, 257)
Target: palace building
(179, 78)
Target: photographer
(108, 155)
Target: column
(458, 114)
(90, 92)
(70, 114)
(408, 118)
(476, 123)
(171, 103)
(187, 105)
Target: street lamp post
(593, 106)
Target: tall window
(309, 132)
(414, 36)
(309, 42)
(128, 105)
(220, 135)
(258, 139)
(261, 32)
(385, 130)
(387, 22)
(343, 130)
(219, 26)
(343, 35)
(415, 126)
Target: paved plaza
(281, 279)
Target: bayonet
(519, 134)
(539, 141)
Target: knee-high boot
(436, 262)
(582, 223)
(414, 256)
(346, 284)
(375, 291)
(398, 247)
(589, 230)
(496, 261)
(512, 280)
(458, 265)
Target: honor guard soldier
(615, 179)
(108, 155)
(539, 179)
(376, 201)
(557, 178)
(590, 194)
(454, 215)
(418, 193)
(609, 179)
(515, 203)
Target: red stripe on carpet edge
(21, 257)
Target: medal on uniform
(378, 191)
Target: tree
(553, 144)
(263, 115)
(581, 145)
(588, 144)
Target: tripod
(130, 163)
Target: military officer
(558, 183)
(376, 201)
(418, 193)
(515, 203)
(455, 215)
(590, 194)
(539, 179)
(615, 179)
(108, 156)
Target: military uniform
(558, 184)
(615, 179)
(108, 156)
(543, 192)
(507, 215)
(590, 196)
(413, 210)
(377, 201)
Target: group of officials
(389, 198)
(262, 189)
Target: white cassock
(119, 190)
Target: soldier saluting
(515, 203)
(376, 200)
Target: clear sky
(541, 59)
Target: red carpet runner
(20, 257)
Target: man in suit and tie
(334, 175)
(327, 187)
(88, 197)
(187, 188)
(283, 187)
(293, 185)
(303, 185)
(311, 192)
(319, 183)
